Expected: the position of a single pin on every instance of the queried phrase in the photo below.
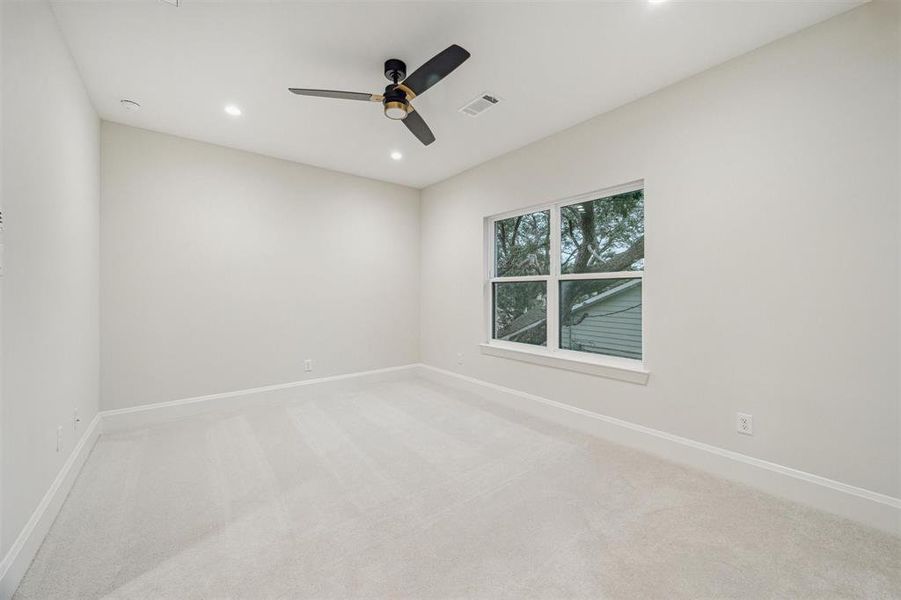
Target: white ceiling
(555, 64)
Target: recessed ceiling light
(656, 1)
(130, 105)
(396, 155)
(233, 110)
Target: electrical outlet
(75, 421)
(59, 438)
(459, 358)
(308, 365)
(744, 423)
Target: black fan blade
(418, 128)
(336, 94)
(436, 68)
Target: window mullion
(488, 291)
(603, 275)
(553, 288)
(518, 278)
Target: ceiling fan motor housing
(395, 69)
(395, 103)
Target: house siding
(612, 327)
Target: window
(520, 312)
(568, 277)
(522, 245)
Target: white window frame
(551, 355)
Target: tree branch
(624, 259)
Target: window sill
(612, 367)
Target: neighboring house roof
(531, 318)
(536, 316)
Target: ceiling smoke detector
(480, 104)
(130, 105)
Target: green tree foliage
(522, 245)
(599, 236)
(517, 305)
(603, 235)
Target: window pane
(520, 312)
(601, 316)
(522, 245)
(604, 235)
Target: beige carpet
(407, 489)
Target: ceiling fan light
(396, 110)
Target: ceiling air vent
(480, 104)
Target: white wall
(50, 180)
(2, 179)
(772, 203)
(223, 270)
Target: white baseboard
(22, 552)
(147, 414)
(864, 506)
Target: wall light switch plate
(308, 365)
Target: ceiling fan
(402, 89)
